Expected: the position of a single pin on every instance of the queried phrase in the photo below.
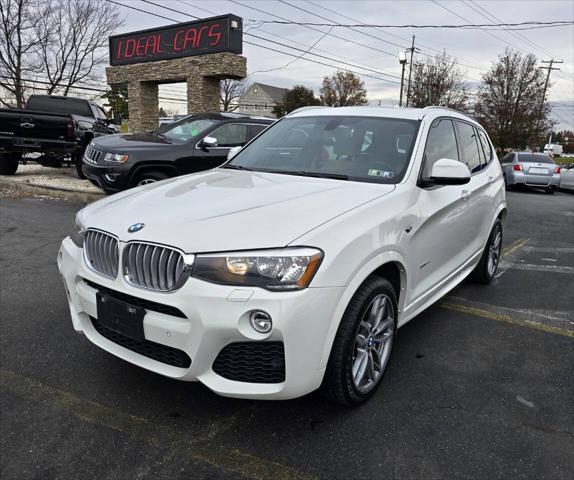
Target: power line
(266, 47)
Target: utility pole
(410, 71)
(549, 68)
(402, 61)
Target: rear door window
(441, 143)
(231, 135)
(469, 146)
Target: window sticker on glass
(380, 173)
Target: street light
(403, 62)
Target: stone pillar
(143, 106)
(202, 94)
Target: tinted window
(64, 105)
(469, 146)
(231, 135)
(485, 145)
(534, 157)
(185, 129)
(361, 148)
(257, 129)
(508, 158)
(441, 143)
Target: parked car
(567, 177)
(291, 266)
(192, 144)
(54, 126)
(531, 170)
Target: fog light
(261, 321)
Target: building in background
(259, 99)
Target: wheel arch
(156, 166)
(390, 265)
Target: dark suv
(192, 144)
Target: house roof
(276, 93)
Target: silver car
(567, 177)
(531, 170)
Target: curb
(57, 192)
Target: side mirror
(449, 172)
(208, 142)
(232, 152)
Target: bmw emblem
(136, 227)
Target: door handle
(465, 195)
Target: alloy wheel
(373, 343)
(494, 250)
(145, 181)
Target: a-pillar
(143, 106)
(202, 94)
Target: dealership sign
(210, 35)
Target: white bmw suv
(292, 266)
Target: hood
(129, 141)
(223, 210)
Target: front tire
(150, 177)
(550, 190)
(77, 158)
(486, 269)
(9, 163)
(363, 344)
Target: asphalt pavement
(480, 385)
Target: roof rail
(430, 107)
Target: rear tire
(150, 177)
(485, 271)
(363, 343)
(9, 163)
(550, 190)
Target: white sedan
(292, 266)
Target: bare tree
(74, 36)
(439, 81)
(230, 91)
(18, 44)
(510, 103)
(343, 89)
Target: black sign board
(209, 35)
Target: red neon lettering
(198, 39)
(130, 42)
(175, 39)
(119, 52)
(215, 36)
(158, 44)
(150, 44)
(190, 36)
(140, 46)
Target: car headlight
(116, 158)
(281, 269)
(78, 233)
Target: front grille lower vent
(153, 267)
(137, 301)
(147, 348)
(252, 362)
(101, 251)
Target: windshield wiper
(303, 173)
(237, 167)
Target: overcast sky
(370, 48)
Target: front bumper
(217, 315)
(111, 179)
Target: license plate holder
(538, 171)
(121, 317)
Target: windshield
(185, 129)
(367, 149)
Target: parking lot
(480, 385)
